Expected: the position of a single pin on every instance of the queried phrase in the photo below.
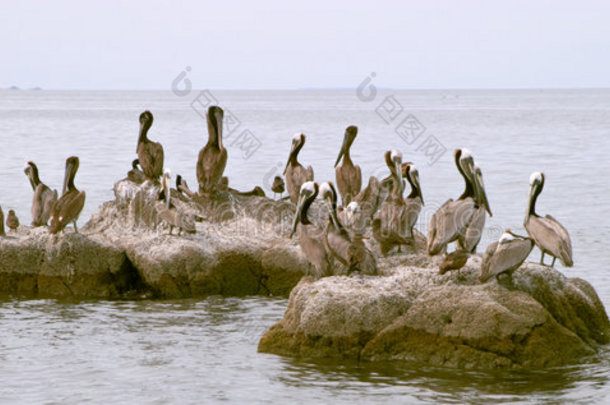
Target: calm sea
(205, 350)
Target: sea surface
(203, 351)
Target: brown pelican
(150, 154)
(12, 221)
(452, 218)
(169, 213)
(213, 157)
(294, 172)
(469, 240)
(135, 174)
(69, 206)
(453, 261)
(548, 234)
(2, 233)
(182, 187)
(348, 175)
(355, 256)
(415, 200)
(278, 186)
(505, 255)
(391, 228)
(44, 198)
(311, 237)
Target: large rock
(541, 319)
(36, 264)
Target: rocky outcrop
(540, 319)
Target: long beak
(398, 168)
(297, 215)
(292, 149)
(331, 212)
(342, 150)
(483, 194)
(67, 175)
(415, 180)
(28, 172)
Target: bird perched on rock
(505, 255)
(453, 261)
(12, 221)
(278, 186)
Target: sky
(272, 44)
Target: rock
(541, 319)
(36, 264)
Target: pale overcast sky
(321, 44)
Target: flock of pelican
(380, 207)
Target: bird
(311, 240)
(212, 158)
(415, 199)
(355, 256)
(278, 186)
(391, 227)
(183, 187)
(150, 154)
(348, 175)
(168, 212)
(469, 240)
(2, 233)
(294, 172)
(136, 175)
(69, 206)
(12, 221)
(505, 255)
(453, 261)
(452, 218)
(547, 233)
(44, 198)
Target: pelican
(2, 233)
(69, 206)
(213, 157)
(415, 200)
(150, 154)
(136, 175)
(548, 234)
(311, 237)
(348, 175)
(452, 218)
(294, 172)
(471, 237)
(44, 198)
(453, 261)
(505, 255)
(169, 213)
(278, 186)
(339, 244)
(391, 228)
(182, 187)
(12, 221)
(369, 199)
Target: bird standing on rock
(348, 175)
(212, 158)
(72, 201)
(150, 154)
(44, 198)
(278, 186)
(12, 221)
(296, 175)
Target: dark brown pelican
(471, 237)
(150, 154)
(348, 175)
(505, 255)
(355, 256)
(136, 175)
(452, 218)
(453, 261)
(548, 234)
(213, 157)
(415, 200)
(183, 187)
(69, 206)
(294, 172)
(391, 228)
(44, 198)
(311, 238)
(12, 221)
(2, 233)
(169, 213)
(278, 186)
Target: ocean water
(205, 350)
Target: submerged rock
(541, 319)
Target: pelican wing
(49, 199)
(67, 210)
(550, 237)
(504, 257)
(295, 177)
(314, 248)
(211, 165)
(151, 158)
(451, 220)
(474, 231)
(38, 205)
(413, 208)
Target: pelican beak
(398, 169)
(481, 192)
(293, 147)
(67, 175)
(297, 214)
(415, 179)
(344, 146)
(331, 210)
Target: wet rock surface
(540, 319)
